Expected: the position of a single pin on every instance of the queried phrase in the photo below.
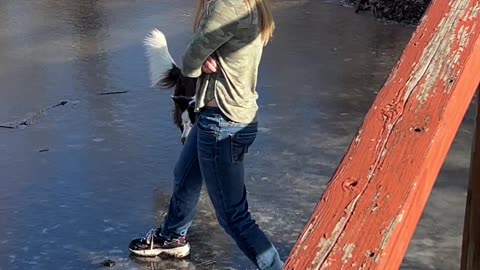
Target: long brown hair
(267, 23)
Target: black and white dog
(165, 73)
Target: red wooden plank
(369, 212)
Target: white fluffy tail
(159, 58)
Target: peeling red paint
(378, 192)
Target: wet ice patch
(109, 229)
(46, 230)
(287, 153)
(98, 140)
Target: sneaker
(154, 244)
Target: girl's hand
(210, 66)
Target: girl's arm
(219, 26)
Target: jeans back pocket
(239, 144)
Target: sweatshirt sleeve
(219, 26)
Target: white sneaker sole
(178, 252)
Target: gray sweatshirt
(230, 34)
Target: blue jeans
(214, 152)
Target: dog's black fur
(183, 96)
(164, 73)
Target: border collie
(165, 73)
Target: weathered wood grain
(368, 214)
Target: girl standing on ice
(224, 55)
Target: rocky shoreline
(402, 11)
